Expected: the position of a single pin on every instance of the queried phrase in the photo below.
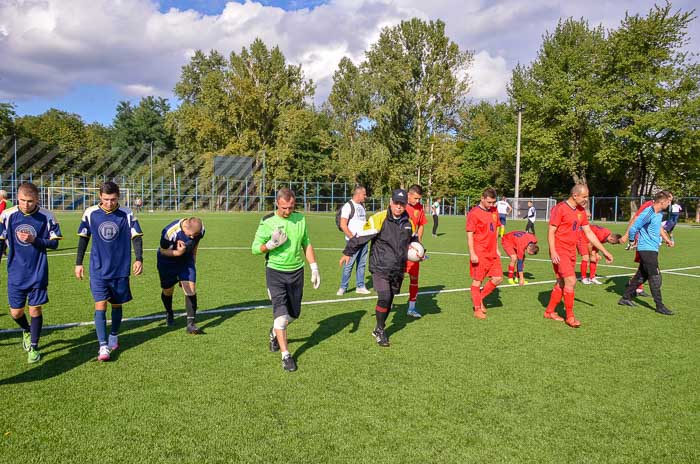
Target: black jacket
(390, 238)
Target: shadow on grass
(83, 349)
(425, 304)
(619, 284)
(327, 328)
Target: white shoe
(113, 342)
(595, 280)
(362, 291)
(340, 292)
(414, 313)
(103, 354)
(586, 281)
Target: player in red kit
(482, 238)
(589, 255)
(516, 244)
(564, 223)
(415, 211)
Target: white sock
(285, 354)
(411, 305)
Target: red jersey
(3, 205)
(484, 223)
(567, 220)
(645, 205)
(417, 215)
(601, 234)
(519, 241)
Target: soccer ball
(416, 252)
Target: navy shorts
(116, 290)
(502, 218)
(18, 297)
(171, 275)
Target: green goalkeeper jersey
(290, 255)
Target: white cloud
(52, 46)
(489, 75)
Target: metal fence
(75, 193)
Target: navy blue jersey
(112, 231)
(168, 241)
(27, 266)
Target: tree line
(618, 109)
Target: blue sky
(84, 56)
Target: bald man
(565, 221)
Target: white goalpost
(78, 198)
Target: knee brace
(281, 322)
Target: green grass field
(450, 389)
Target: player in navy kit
(176, 264)
(113, 228)
(29, 231)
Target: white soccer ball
(416, 252)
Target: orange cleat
(553, 316)
(483, 307)
(572, 322)
(479, 314)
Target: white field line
(316, 302)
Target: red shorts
(509, 248)
(486, 267)
(582, 247)
(413, 268)
(566, 266)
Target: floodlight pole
(517, 163)
(151, 188)
(15, 179)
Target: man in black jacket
(390, 232)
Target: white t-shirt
(502, 207)
(676, 208)
(531, 214)
(436, 206)
(357, 222)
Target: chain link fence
(218, 193)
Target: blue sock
(35, 329)
(116, 320)
(101, 327)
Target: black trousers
(530, 227)
(435, 224)
(648, 270)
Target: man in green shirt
(282, 237)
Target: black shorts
(286, 290)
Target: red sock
(488, 288)
(511, 270)
(641, 287)
(584, 269)
(476, 296)
(554, 299)
(412, 291)
(594, 266)
(569, 303)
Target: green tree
(561, 100)
(7, 120)
(487, 143)
(140, 125)
(651, 97)
(417, 81)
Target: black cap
(399, 196)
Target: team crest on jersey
(495, 216)
(578, 215)
(24, 228)
(108, 231)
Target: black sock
(191, 307)
(381, 318)
(22, 322)
(167, 302)
(37, 323)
